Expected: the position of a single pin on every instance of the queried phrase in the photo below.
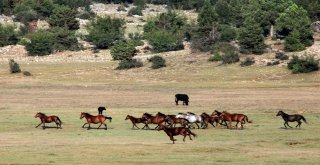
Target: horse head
(280, 113)
(82, 115)
(128, 117)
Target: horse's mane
(159, 113)
(42, 114)
(191, 113)
(217, 112)
(87, 114)
(181, 113)
(147, 114)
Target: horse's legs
(38, 125)
(299, 124)
(288, 124)
(184, 137)
(136, 125)
(198, 125)
(237, 124)
(84, 125)
(89, 126)
(106, 126)
(99, 125)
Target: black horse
(100, 109)
(291, 118)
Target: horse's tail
(304, 119)
(246, 117)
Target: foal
(291, 118)
(176, 131)
(48, 119)
(135, 121)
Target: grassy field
(66, 89)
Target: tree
(64, 16)
(41, 43)
(8, 35)
(293, 42)
(251, 37)
(207, 16)
(295, 18)
(223, 10)
(103, 32)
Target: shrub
(103, 32)
(227, 33)
(229, 58)
(162, 41)
(41, 43)
(123, 50)
(274, 62)
(247, 62)
(26, 16)
(157, 62)
(292, 42)
(136, 38)
(8, 36)
(215, 57)
(64, 16)
(129, 63)
(26, 73)
(14, 66)
(64, 39)
(140, 3)
(303, 65)
(121, 8)
(281, 56)
(135, 11)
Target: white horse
(191, 117)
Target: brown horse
(94, 119)
(209, 119)
(239, 118)
(48, 119)
(172, 121)
(135, 121)
(158, 119)
(176, 131)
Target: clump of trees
(303, 64)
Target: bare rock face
(316, 26)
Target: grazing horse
(182, 97)
(172, 121)
(192, 118)
(135, 121)
(209, 119)
(100, 109)
(158, 119)
(176, 131)
(95, 119)
(225, 116)
(48, 119)
(291, 118)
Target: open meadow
(67, 89)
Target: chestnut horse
(158, 119)
(172, 121)
(94, 119)
(225, 116)
(176, 131)
(48, 119)
(135, 121)
(291, 118)
(209, 119)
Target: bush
(274, 62)
(135, 11)
(14, 66)
(123, 50)
(157, 62)
(227, 33)
(162, 41)
(8, 36)
(64, 39)
(247, 62)
(136, 38)
(129, 63)
(292, 42)
(121, 8)
(229, 58)
(26, 73)
(303, 65)
(215, 57)
(64, 16)
(41, 43)
(281, 56)
(26, 16)
(103, 32)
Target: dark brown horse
(176, 131)
(135, 121)
(239, 118)
(172, 121)
(48, 119)
(158, 119)
(94, 119)
(209, 119)
(291, 118)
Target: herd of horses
(167, 123)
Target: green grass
(67, 89)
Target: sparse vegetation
(247, 62)
(135, 11)
(281, 56)
(303, 64)
(129, 63)
(229, 58)
(14, 66)
(215, 57)
(157, 62)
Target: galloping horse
(192, 118)
(172, 121)
(158, 119)
(135, 121)
(225, 116)
(291, 118)
(176, 131)
(94, 119)
(48, 119)
(209, 119)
